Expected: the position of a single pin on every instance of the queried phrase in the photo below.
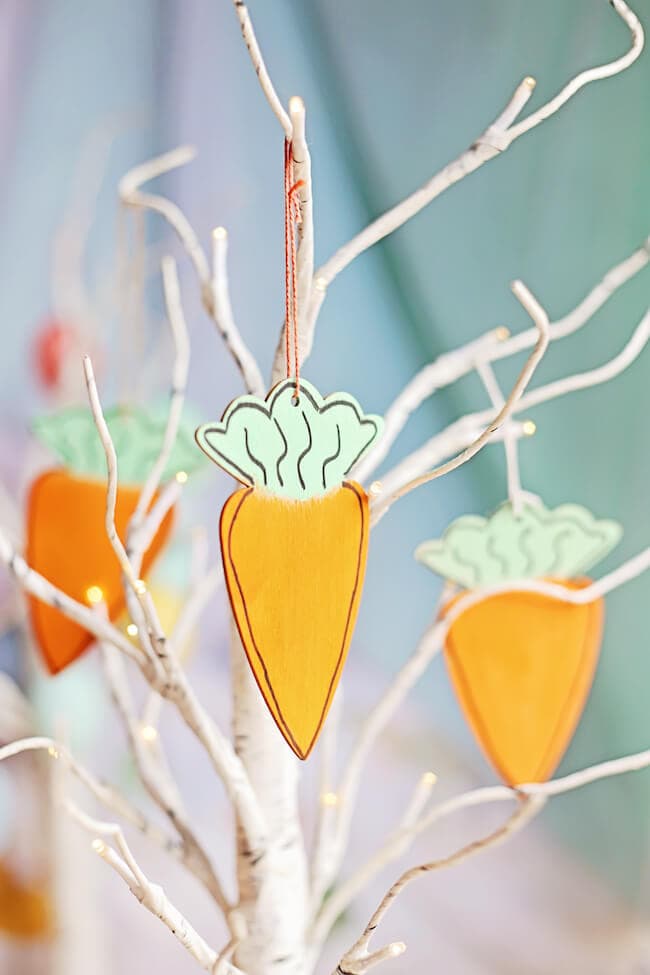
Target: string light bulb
(99, 846)
(53, 752)
(140, 587)
(149, 733)
(219, 233)
(375, 488)
(329, 799)
(528, 427)
(132, 629)
(501, 333)
(530, 82)
(94, 595)
(181, 477)
(429, 778)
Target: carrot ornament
(522, 663)
(294, 541)
(66, 535)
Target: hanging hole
(295, 400)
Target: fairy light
(528, 427)
(94, 595)
(375, 488)
(329, 799)
(181, 477)
(429, 778)
(149, 733)
(219, 233)
(140, 587)
(99, 847)
(132, 629)
(501, 333)
(53, 752)
(530, 82)
(320, 284)
(397, 948)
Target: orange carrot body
(25, 911)
(522, 665)
(294, 571)
(67, 543)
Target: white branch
(131, 195)
(180, 371)
(223, 316)
(358, 960)
(334, 842)
(264, 78)
(112, 479)
(429, 646)
(516, 495)
(150, 895)
(540, 319)
(463, 431)
(496, 139)
(491, 347)
(107, 795)
(38, 586)
(156, 778)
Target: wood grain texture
(67, 543)
(522, 665)
(294, 571)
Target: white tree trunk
(273, 881)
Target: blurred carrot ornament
(294, 542)
(25, 909)
(522, 663)
(66, 535)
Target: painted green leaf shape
(137, 434)
(562, 544)
(294, 450)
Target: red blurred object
(53, 342)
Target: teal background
(393, 93)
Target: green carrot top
(534, 543)
(294, 449)
(137, 436)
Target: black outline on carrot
(360, 570)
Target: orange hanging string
(291, 221)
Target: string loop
(291, 222)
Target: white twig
(334, 843)
(515, 493)
(496, 139)
(132, 195)
(107, 795)
(223, 316)
(157, 780)
(328, 799)
(38, 586)
(463, 431)
(442, 372)
(492, 346)
(180, 369)
(150, 895)
(253, 47)
(540, 319)
(358, 959)
(112, 479)
(408, 676)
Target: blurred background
(90, 89)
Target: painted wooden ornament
(294, 542)
(522, 663)
(66, 536)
